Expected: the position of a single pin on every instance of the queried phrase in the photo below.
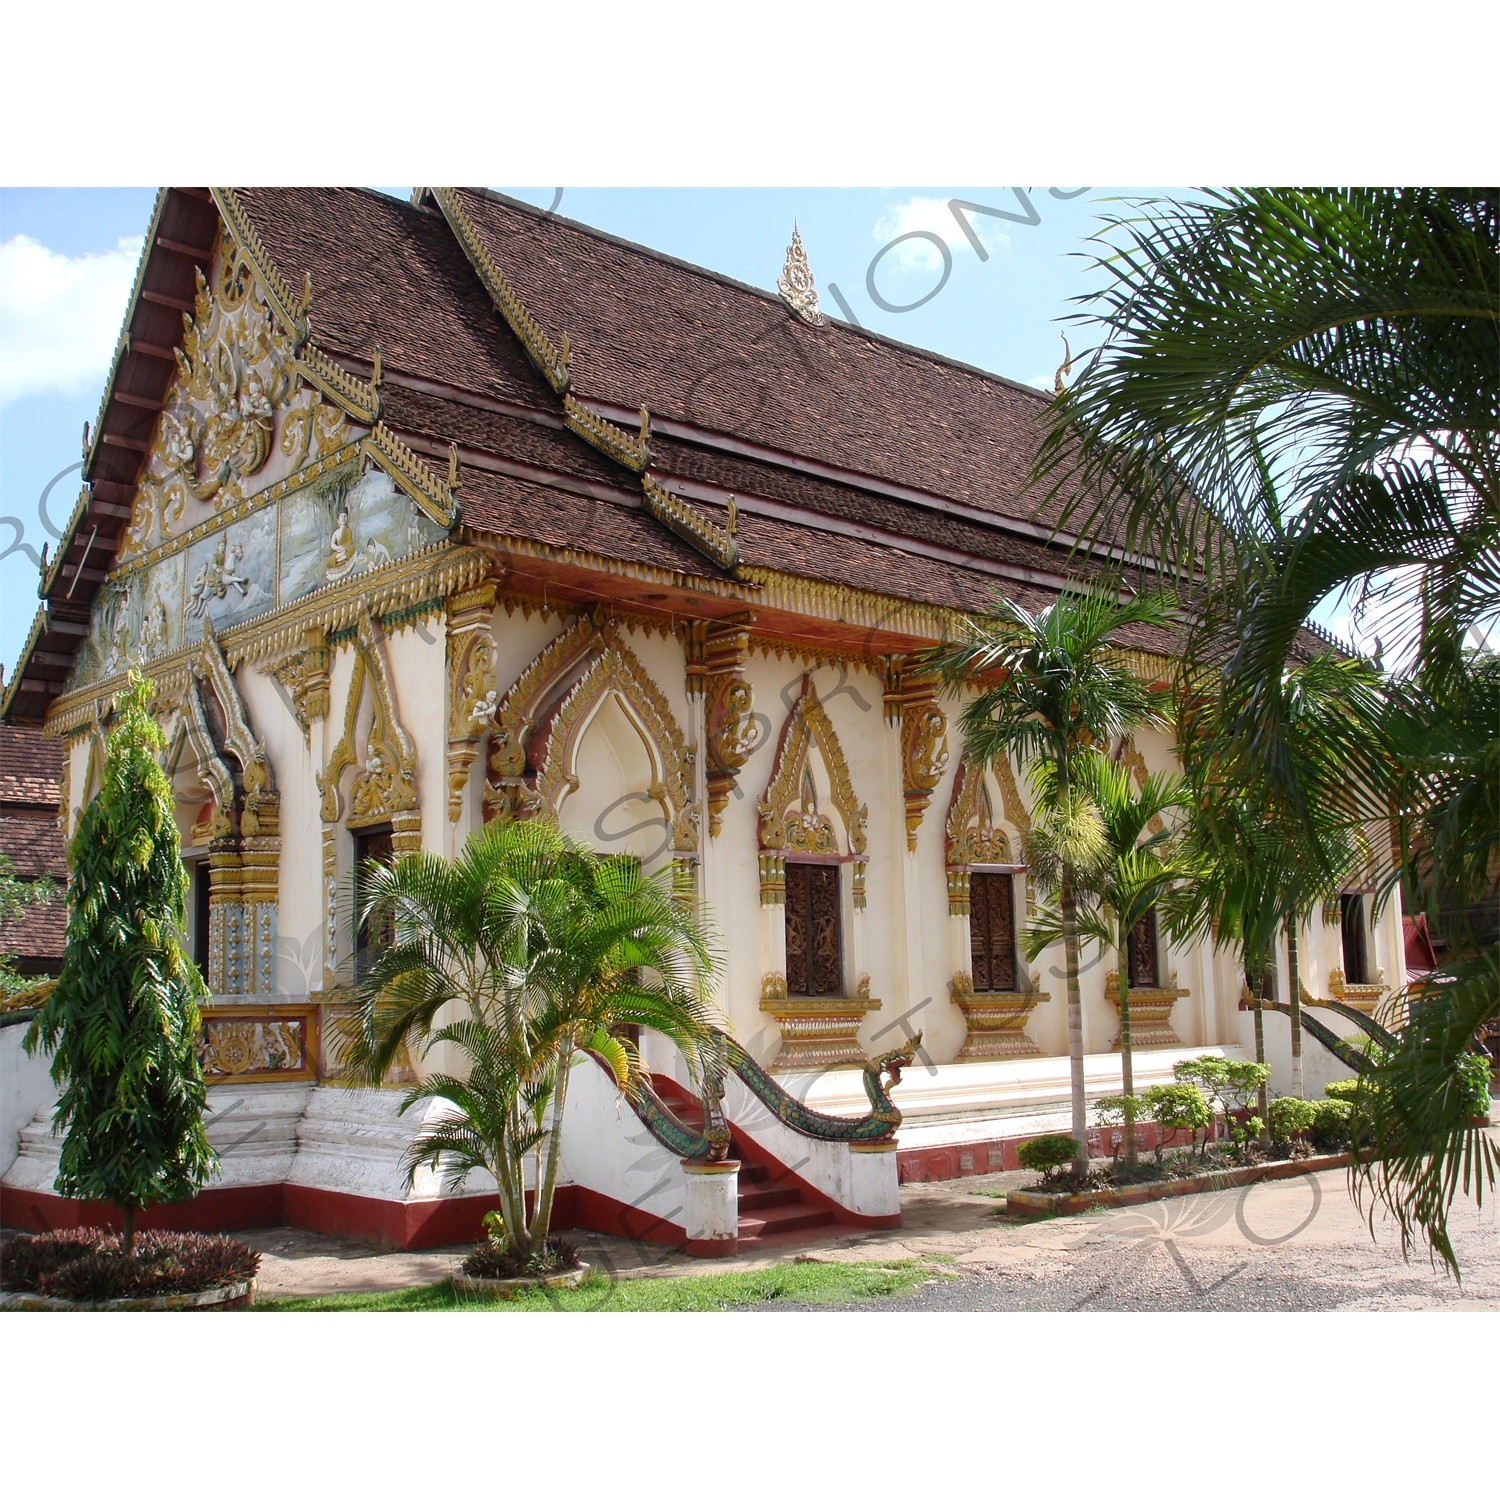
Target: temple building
(422, 513)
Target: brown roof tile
(30, 767)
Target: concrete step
(754, 1199)
(783, 1220)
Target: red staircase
(774, 1206)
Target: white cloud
(935, 217)
(60, 316)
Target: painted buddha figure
(343, 558)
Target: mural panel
(230, 575)
(345, 525)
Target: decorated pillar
(472, 694)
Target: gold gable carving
(238, 379)
(384, 786)
(260, 816)
(539, 348)
(972, 837)
(781, 811)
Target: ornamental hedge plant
(1290, 1117)
(1177, 1106)
(122, 1024)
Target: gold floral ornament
(796, 285)
(909, 703)
(384, 787)
(717, 655)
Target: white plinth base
(711, 1203)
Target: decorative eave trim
(359, 398)
(850, 606)
(539, 348)
(122, 343)
(397, 595)
(712, 540)
(38, 628)
(408, 471)
(634, 452)
(64, 543)
(292, 315)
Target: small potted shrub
(1047, 1154)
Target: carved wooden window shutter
(372, 844)
(1143, 968)
(814, 937)
(992, 931)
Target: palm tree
(1262, 863)
(520, 954)
(1296, 396)
(1141, 869)
(1051, 685)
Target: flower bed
(88, 1268)
(492, 1270)
(1106, 1193)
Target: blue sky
(67, 258)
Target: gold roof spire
(796, 283)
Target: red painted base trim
(593, 1211)
(216, 1210)
(402, 1226)
(975, 1158)
(712, 1249)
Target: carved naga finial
(1064, 369)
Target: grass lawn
(806, 1283)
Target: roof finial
(1065, 368)
(796, 283)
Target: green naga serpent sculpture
(726, 1055)
(1346, 1052)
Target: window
(198, 874)
(1143, 970)
(992, 931)
(814, 942)
(1352, 920)
(378, 932)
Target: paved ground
(1294, 1244)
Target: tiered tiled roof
(851, 460)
